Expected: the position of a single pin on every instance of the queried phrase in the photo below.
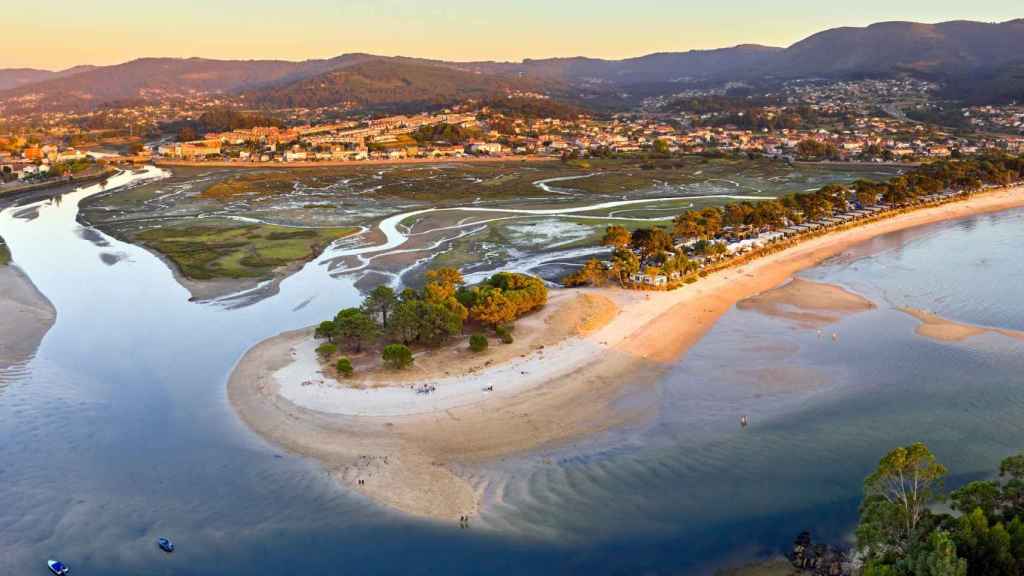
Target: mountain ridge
(959, 53)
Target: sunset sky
(111, 31)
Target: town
(851, 121)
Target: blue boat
(165, 544)
(57, 568)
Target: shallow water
(119, 429)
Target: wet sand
(417, 455)
(809, 304)
(27, 317)
(943, 330)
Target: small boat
(165, 545)
(57, 568)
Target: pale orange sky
(112, 31)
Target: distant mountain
(658, 67)
(394, 84)
(15, 77)
(150, 78)
(975, 60)
(950, 49)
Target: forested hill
(392, 84)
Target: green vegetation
(206, 252)
(449, 183)
(450, 133)
(900, 533)
(344, 366)
(5, 253)
(326, 350)
(504, 333)
(701, 233)
(432, 316)
(478, 343)
(354, 329)
(520, 107)
(397, 356)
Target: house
(485, 148)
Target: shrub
(504, 333)
(326, 349)
(344, 366)
(325, 330)
(478, 343)
(397, 356)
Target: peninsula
(407, 450)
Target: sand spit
(414, 445)
(943, 330)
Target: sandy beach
(27, 314)
(407, 449)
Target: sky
(100, 32)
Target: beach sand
(566, 393)
(27, 317)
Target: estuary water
(119, 430)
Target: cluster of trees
(220, 120)
(747, 113)
(651, 249)
(900, 533)
(431, 316)
(814, 150)
(503, 298)
(647, 250)
(450, 133)
(529, 108)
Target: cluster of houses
(386, 138)
(34, 161)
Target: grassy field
(252, 251)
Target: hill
(658, 67)
(154, 78)
(392, 84)
(15, 77)
(950, 49)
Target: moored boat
(165, 544)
